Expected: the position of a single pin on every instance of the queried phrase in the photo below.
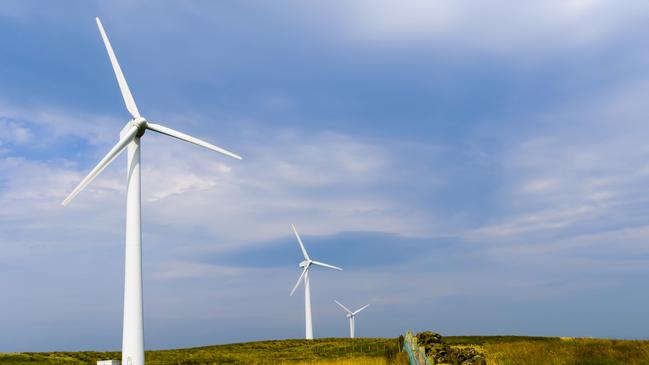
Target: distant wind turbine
(352, 317)
(306, 264)
(133, 329)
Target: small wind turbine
(306, 264)
(352, 317)
(133, 331)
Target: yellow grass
(321, 351)
(354, 361)
(568, 351)
(401, 359)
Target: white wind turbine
(306, 264)
(133, 333)
(352, 317)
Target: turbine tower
(352, 317)
(133, 332)
(306, 264)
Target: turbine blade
(306, 255)
(110, 156)
(343, 307)
(299, 279)
(123, 86)
(187, 138)
(326, 265)
(355, 313)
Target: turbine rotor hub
(140, 123)
(304, 263)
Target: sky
(475, 168)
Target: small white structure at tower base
(108, 362)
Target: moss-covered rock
(442, 353)
(428, 338)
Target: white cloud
(12, 132)
(583, 171)
(178, 269)
(500, 26)
(52, 123)
(324, 182)
(541, 185)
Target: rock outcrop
(442, 353)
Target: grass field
(318, 352)
(514, 350)
(499, 350)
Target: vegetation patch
(495, 350)
(442, 353)
(362, 351)
(585, 351)
(517, 350)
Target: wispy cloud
(576, 198)
(503, 26)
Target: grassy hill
(514, 350)
(362, 351)
(499, 350)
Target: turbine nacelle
(139, 123)
(305, 263)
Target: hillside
(517, 350)
(339, 351)
(499, 350)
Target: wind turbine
(306, 264)
(133, 332)
(352, 317)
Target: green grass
(263, 352)
(499, 350)
(481, 340)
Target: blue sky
(475, 169)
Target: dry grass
(321, 351)
(499, 350)
(355, 361)
(568, 352)
(517, 350)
